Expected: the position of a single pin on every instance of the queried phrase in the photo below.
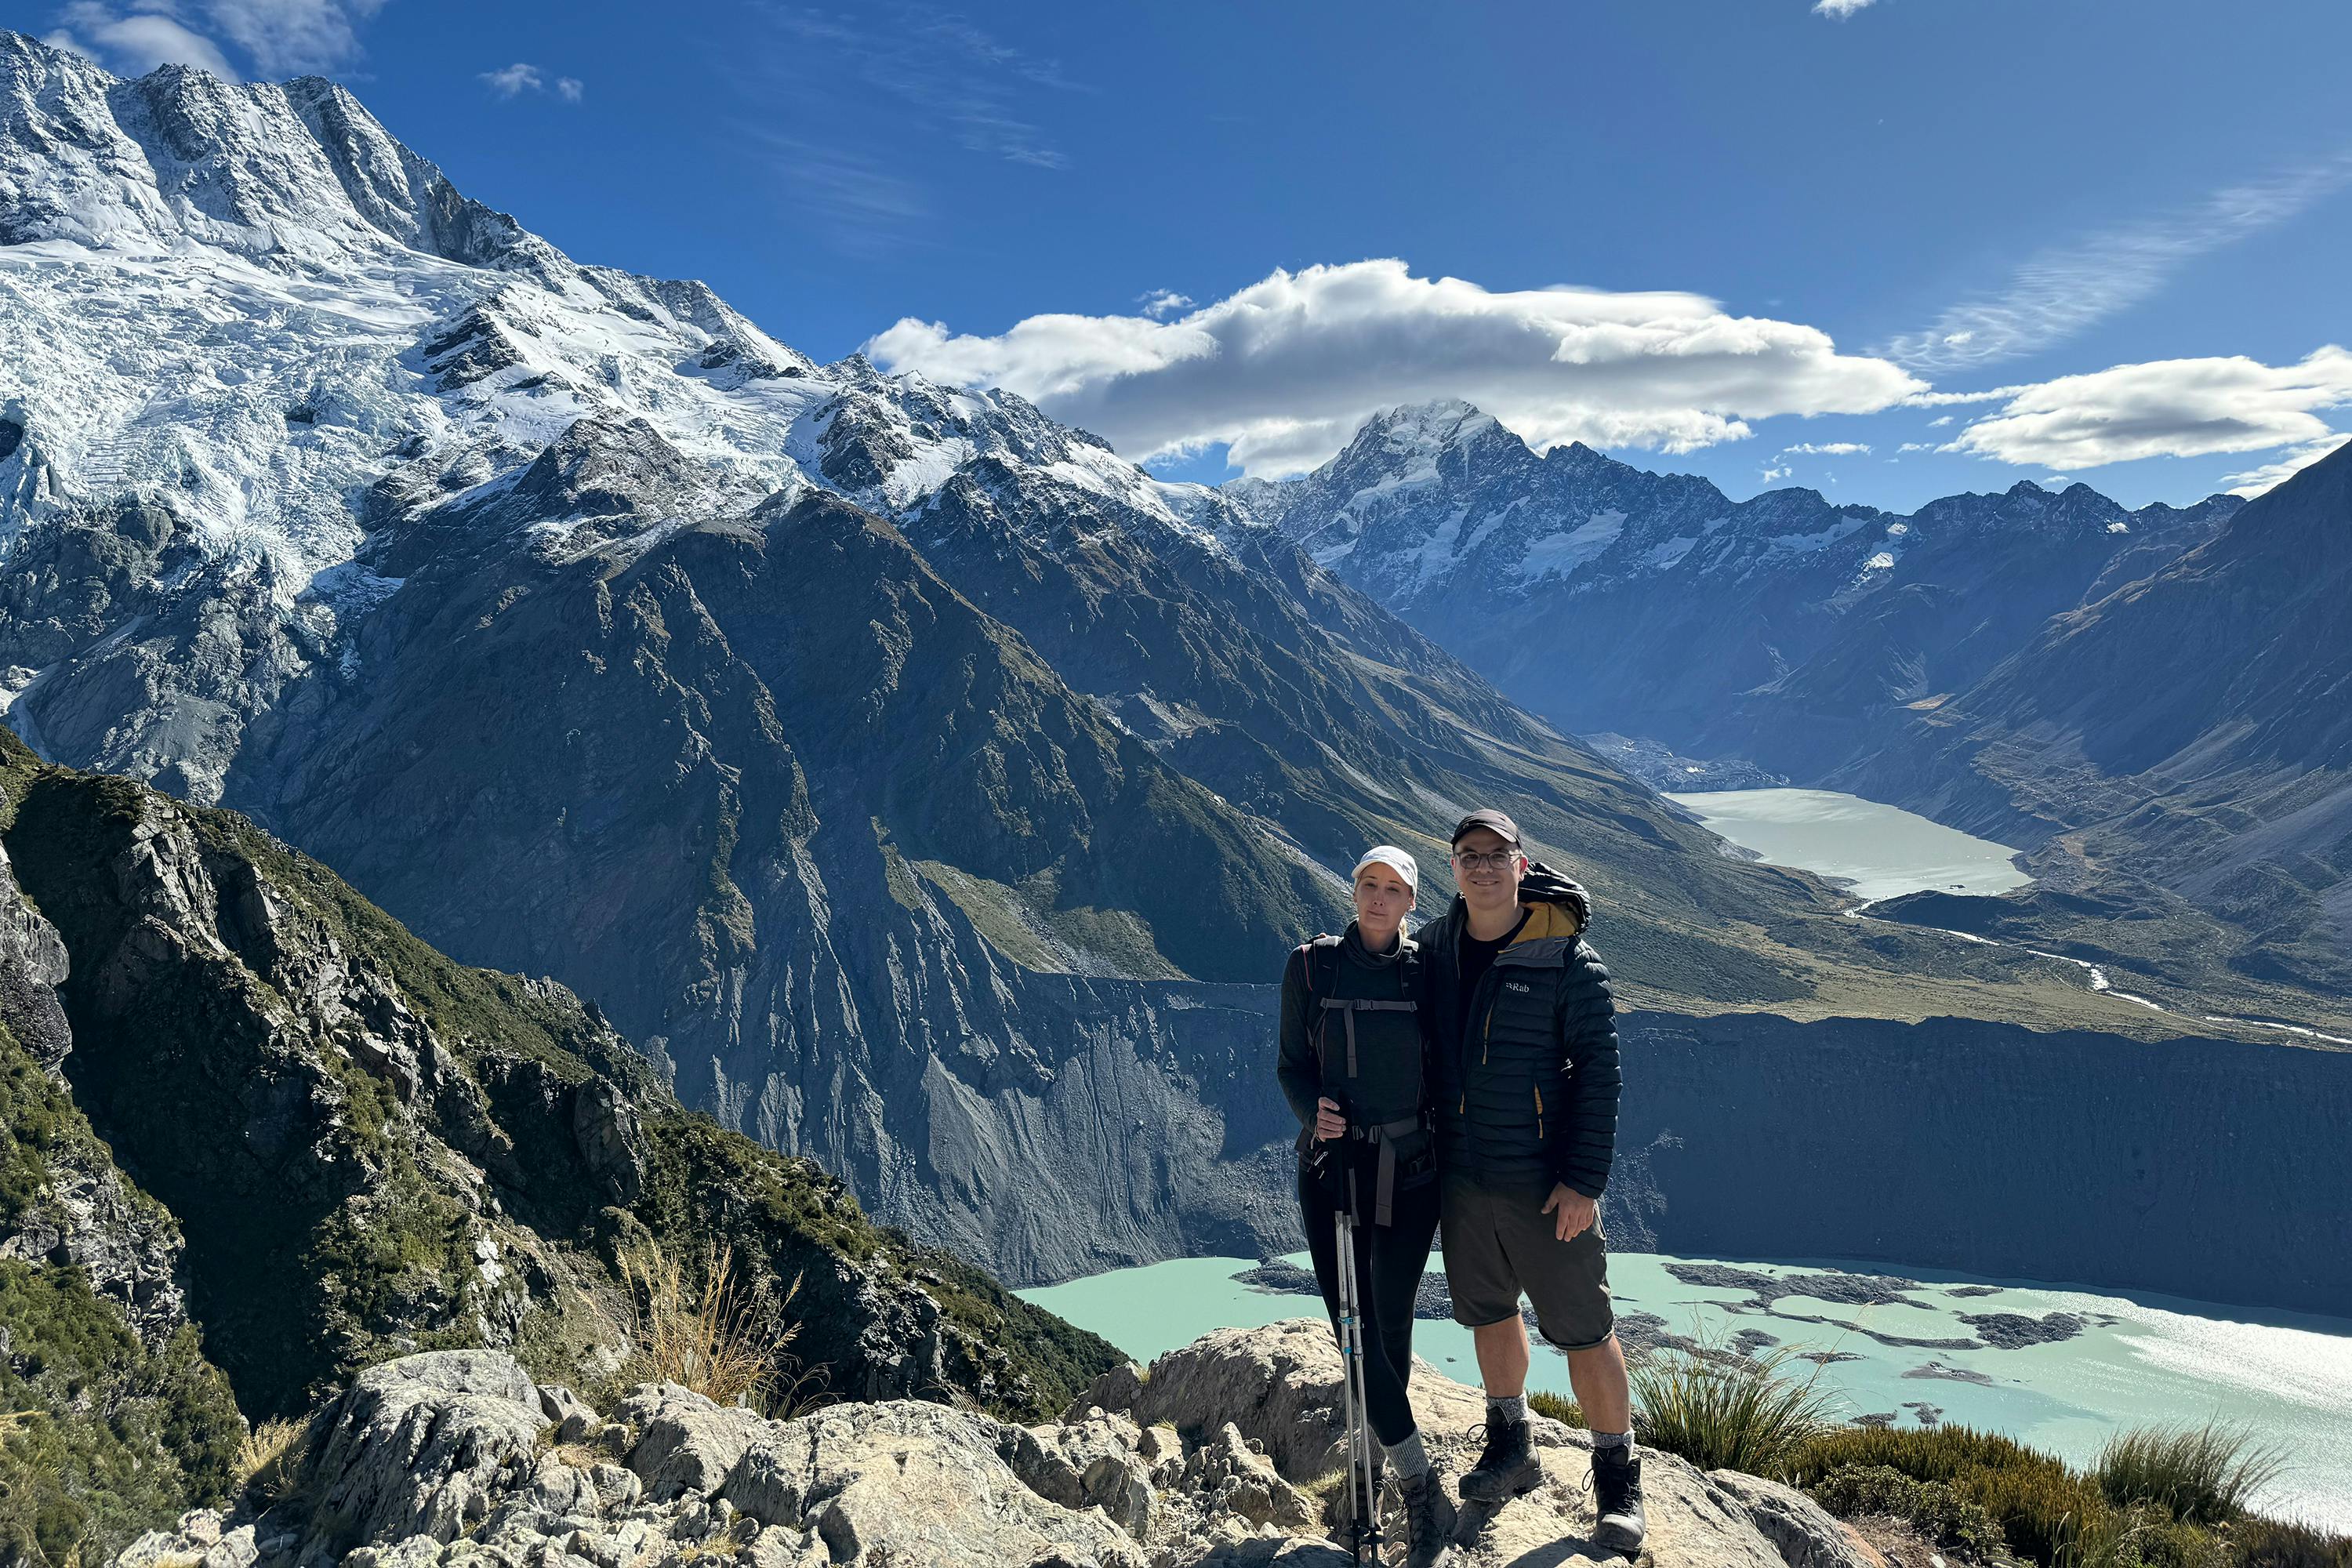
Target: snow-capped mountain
(1610, 598)
(932, 791)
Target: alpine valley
(926, 791)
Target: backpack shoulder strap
(1319, 959)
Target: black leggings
(1389, 1262)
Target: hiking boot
(1617, 1497)
(1507, 1467)
(1429, 1522)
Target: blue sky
(1675, 226)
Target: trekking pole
(1363, 1490)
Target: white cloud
(1826, 449)
(1161, 303)
(2254, 482)
(1939, 422)
(2180, 408)
(1285, 370)
(523, 76)
(136, 43)
(1840, 9)
(282, 38)
(514, 79)
(289, 36)
(1774, 475)
(2063, 290)
(1916, 446)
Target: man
(1523, 1056)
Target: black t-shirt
(1477, 957)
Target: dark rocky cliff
(2212, 1169)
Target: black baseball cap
(1494, 822)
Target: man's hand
(1570, 1210)
(1329, 1123)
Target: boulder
(685, 1442)
(908, 1483)
(421, 1446)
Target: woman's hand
(1329, 1123)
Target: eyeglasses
(1472, 861)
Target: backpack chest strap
(1348, 1006)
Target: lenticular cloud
(2166, 408)
(1285, 370)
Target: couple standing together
(1466, 1074)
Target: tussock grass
(710, 1333)
(2201, 1475)
(1726, 1412)
(268, 1462)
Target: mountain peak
(1438, 423)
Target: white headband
(1396, 859)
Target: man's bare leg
(1598, 1375)
(1503, 1358)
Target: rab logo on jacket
(1518, 986)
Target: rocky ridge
(1785, 629)
(257, 1138)
(1212, 1457)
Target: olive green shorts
(1501, 1245)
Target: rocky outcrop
(448, 1459)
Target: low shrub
(1728, 1412)
(2145, 1535)
(2275, 1544)
(2201, 1475)
(1932, 1508)
(1566, 1412)
(2042, 1506)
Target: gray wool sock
(1613, 1440)
(1514, 1408)
(1408, 1459)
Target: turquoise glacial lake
(2133, 1359)
(1881, 850)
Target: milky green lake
(2135, 1360)
(1882, 850)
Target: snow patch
(1561, 554)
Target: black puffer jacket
(1528, 1095)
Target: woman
(1351, 1068)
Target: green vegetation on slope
(100, 1438)
(2156, 1498)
